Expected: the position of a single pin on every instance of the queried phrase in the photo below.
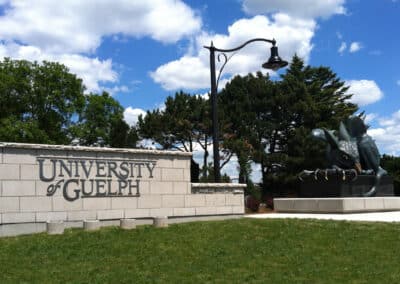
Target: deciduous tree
(40, 99)
(183, 123)
(102, 120)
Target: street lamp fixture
(274, 62)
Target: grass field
(234, 251)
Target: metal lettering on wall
(89, 178)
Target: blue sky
(142, 51)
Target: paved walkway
(369, 217)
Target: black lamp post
(274, 63)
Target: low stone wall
(40, 183)
(337, 204)
(216, 199)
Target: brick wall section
(24, 199)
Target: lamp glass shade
(274, 62)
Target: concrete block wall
(337, 204)
(36, 182)
(216, 199)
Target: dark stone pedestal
(338, 188)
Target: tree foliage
(315, 97)
(45, 103)
(392, 165)
(13, 129)
(183, 121)
(38, 99)
(182, 124)
(102, 120)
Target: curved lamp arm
(272, 41)
(213, 49)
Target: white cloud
(70, 31)
(230, 168)
(364, 92)
(186, 72)
(131, 115)
(342, 47)
(191, 71)
(355, 46)
(148, 144)
(387, 134)
(256, 173)
(204, 96)
(393, 120)
(78, 26)
(117, 89)
(92, 71)
(370, 117)
(305, 9)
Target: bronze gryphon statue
(352, 152)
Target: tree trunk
(243, 173)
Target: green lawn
(234, 251)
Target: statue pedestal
(336, 187)
(337, 205)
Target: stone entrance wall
(40, 183)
